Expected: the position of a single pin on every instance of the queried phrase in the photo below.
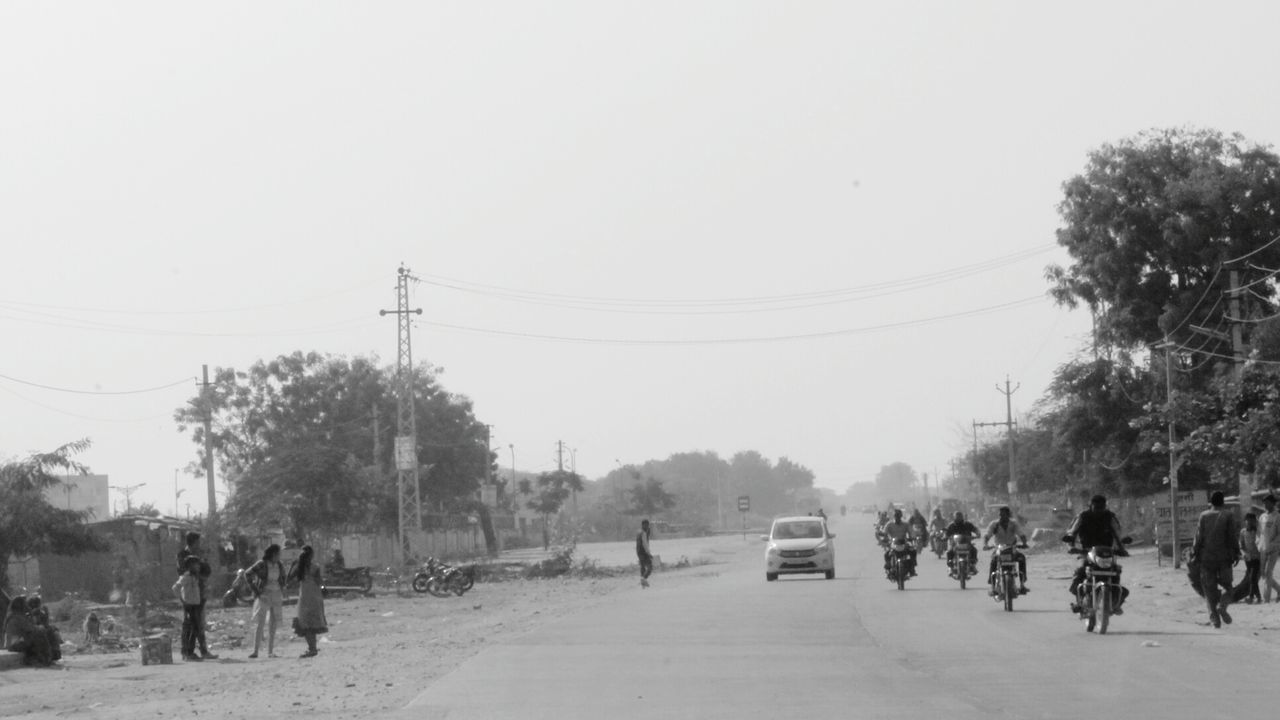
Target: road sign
(744, 503)
(405, 456)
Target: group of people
(1004, 530)
(1221, 544)
(266, 578)
(27, 630)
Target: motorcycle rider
(960, 526)
(919, 525)
(1094, 527)
(937, 523)
(1006, 531)
(896, 529)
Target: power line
(728, 341)
(698, 306)
(98, 392)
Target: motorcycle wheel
(366, 582)
(901, 573)
(437, 587)
(1087, 611)
(962, 569)
(1009, 591)
(466, 582)
(1102, 607)
(244, 595)
(420, 583)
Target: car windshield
(797, 529)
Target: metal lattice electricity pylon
(406, 426)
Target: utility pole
(1008, 407)
(1173, 464)
(128, 491)
(560, 455)
(406, 425)
(208, 445)
(1239, 352)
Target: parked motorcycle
(346, 579)
(899, 562)
(962, 559)
(1004, 580)
(441, 579)
(1099, 594)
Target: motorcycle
(441, 579)
(1005, 581)
(938, 542)
(962, 559)
(920, 536)
(899, 562)
(345, 579)
(1100, 593)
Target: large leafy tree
(649, 498)
(309, 439)
(1149, 223)
(28, 523)
(897, 482)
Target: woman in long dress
(310, 621)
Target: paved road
(719, 642)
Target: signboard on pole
(744, 503)
(405, 456)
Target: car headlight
(822, 547)
(773, 549)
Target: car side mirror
(831, 535)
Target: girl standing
(310, 621)
(1252, 558)
(266, 579)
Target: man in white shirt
(1269, 546)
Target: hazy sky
(817, 230)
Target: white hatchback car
(799, 544)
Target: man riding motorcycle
(937, 523)
(896, 529)
(1093, 527)
(960, 526)
(1006, 531)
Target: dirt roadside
(379, 654)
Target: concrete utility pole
(208, 445)
(1173, 464)
(406, 425)
(1008, 407)
(560, 455)
(1239, 352)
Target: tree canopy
(28, 523)
(307, 440)
(1150, 222)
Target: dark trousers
(192, 620)
(646, 566)
(1214, 578)
(1252, 573)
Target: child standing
(187, 588)
(1252, 558)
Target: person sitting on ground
(22, 636)
(39, 614)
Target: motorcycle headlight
(1103, 562)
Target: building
(84, 493)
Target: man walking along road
(1217, 548)
(643, 553)
(1269, 547)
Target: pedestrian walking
(1252, 559)
(266, 580)
(643, 553)
(187, 588)
(1217, 548)
(1269, 547)
(310, 620)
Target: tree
(1150, 222)
(28, 523)
(648, 498)
(896, 482)
(297, 438)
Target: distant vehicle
(800, 544)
